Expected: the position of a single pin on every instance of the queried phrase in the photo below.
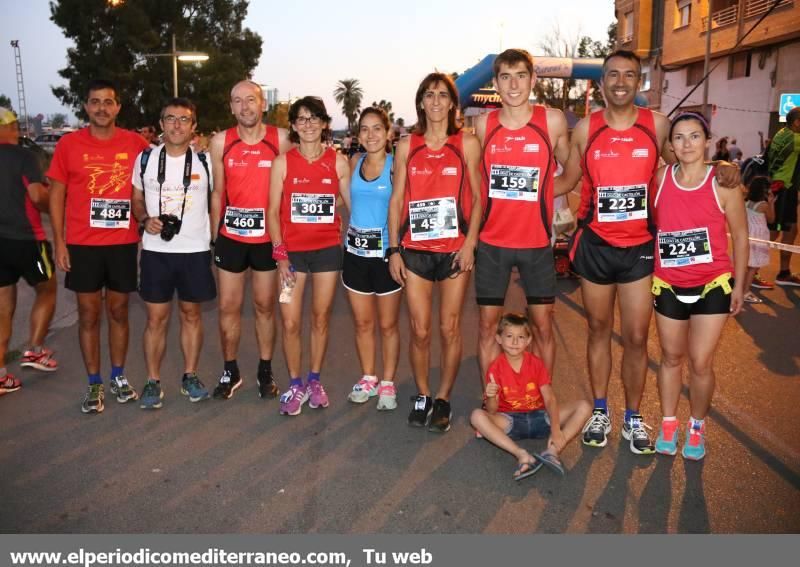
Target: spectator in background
(722, 153)
(150, 135)
(734, 150)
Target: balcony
(626, 38)
(755, 8)
(725, 17)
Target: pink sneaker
(292, 400)
(43, 361)
(387, 396)
(317, 397)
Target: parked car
(48, 141)
(41, 154)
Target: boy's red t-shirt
(519, 391)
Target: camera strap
(162, 176)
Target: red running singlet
(437, 199)
(309, 220)
(618, 166)
(517, 170)
(246, 195)
(692, 239)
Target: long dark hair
(428, 82)
(758, 188)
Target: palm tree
(387, 107)
(348, 93)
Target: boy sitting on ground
(520, 403)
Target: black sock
(784, 274)
(264, 367)
(233, 367)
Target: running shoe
(227, 385)
(790, 280)
(440, 416)
(420, 410)
(387, 396)
(151, 395)
(93, 400)
(267, 388)
(596, 430)
(694, 448)
(317, 396)
(122, 390)
(363, 391)
(293, 399)
(635, 431)
(8, 384)
(192, 386)
(43, 360)
(667, 441)
(761, 283)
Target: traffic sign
(788, 101)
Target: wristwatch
(392, 250)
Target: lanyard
(162, 176)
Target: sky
(309, 45)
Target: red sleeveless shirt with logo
(245, 198)
(618, 166)
(309, 220)
(437, 200)
(517, 169)
(692, 238)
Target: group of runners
(445, 203)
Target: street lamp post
(176, 55)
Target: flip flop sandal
(533, 468)
(551, 462)
(750, 298)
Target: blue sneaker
(151, 396)
(695, 447)
(192, 386)
(667, 441)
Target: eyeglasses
(170, 119)
(303, 120)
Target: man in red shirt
(241, 159)
(91, 174)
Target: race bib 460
(244, 222)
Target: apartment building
(748, 78)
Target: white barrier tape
(777, 245)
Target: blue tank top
(368, 233)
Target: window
(645, 77)
(739, 65)
(694, 73)
(683, 13)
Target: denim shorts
(528, 425)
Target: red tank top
(692, 240)
(437, 199)
(309, 220)
(618, 166)
(517, 170)
(246, 195)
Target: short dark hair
(792, 115)
(623, 54)
(430, 80)
(690, 116)
(99, 84)
(513, 57)
(180, 102)
(316, 107)
(758, 188)
(514, 320)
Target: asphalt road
(238, 466)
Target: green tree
(5, 102)
(387, 108)
(593, 48)
(278, 115)
(348, 93)
(58, 120)
(111, 40)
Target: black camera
(170, 226)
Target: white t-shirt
(195, 234)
